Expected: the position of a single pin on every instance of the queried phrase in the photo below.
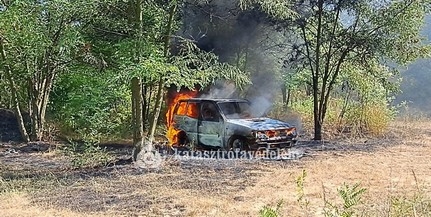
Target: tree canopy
(72, 61)
(337, 35)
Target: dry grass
(20, 205)
(391, 166)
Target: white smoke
(220, 90)
(261, 101)
(260, 105)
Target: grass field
(394, 169)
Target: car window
(192, 110)
(245, 110)
(236, 110)
(209, 112)
(181, 110)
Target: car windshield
(236, 110)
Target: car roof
(214, 100)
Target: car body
(228, 124)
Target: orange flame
(172, 133)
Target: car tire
(237, 143)
(239, 148)
(182, 138)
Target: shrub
(268, 211)
(351, 196)
(91, 106)
(415, 205)
(353, 118)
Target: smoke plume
(241, 38)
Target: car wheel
(237, 144)
(182, 138)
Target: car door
(186, 119)
(210, 126)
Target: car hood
(260, 123)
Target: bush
(353, 118)
(351, 196)
(268, 211)
(91, 106)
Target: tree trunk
(39, 90)
(14, 98)
(157, 109)
(284, 95)
(144, 104)
(317, 103)
(317, 130)
(288, 97)
(17, 109)
(150, 96)
(137, 120)
(159, 97)
(316, 116)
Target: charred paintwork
(218, 130)
(260, 123)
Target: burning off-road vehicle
(226, 124)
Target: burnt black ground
(9, 130)
(109, 187)
(123, 188)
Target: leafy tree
(134, 39)
(39, 40)
(343, 32)
(190, 66)
(122, 40)
(90, 105)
